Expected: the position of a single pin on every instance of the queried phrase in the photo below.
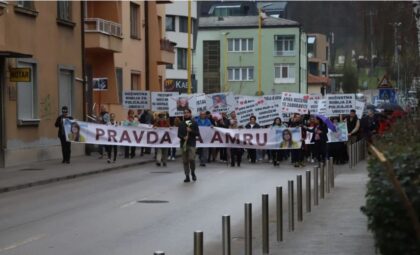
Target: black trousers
(320, 150)
(277, 156)
(129, 151)
(252, 155)
(109, 149)
(65, 149)
(235, 156)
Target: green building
(226, 55)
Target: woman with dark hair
(287, 141)
(319, 139)
(75, 133)
(277, 154)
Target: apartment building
(40, 71)
(318, 63)
(126, 49)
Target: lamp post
(189, 48)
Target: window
(170, 23)
(65, 90)
(284, 73)
(26, 4)
(284, 45)
(311, 46)
(211, 66)
(119, 78)
(135, 81)
(169, 66)
(134, 21)
(27, 99)
(64, 10)
(183, 24)
(241, 45)
(182, 58)
(240, 73)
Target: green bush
(387, 217)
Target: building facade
(226, 57)
(126, 49)
(318, 63)
(177, 32)
(40, 71)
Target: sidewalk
(34, 174)
(336, 226)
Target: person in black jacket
(319, 139)
(187, 133)
(65, 146)
(252, 153)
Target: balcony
(103, 34)
(283, 53)
(167, 52)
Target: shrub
(387, 217)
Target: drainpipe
(146, 41)
(82, 31)
(300, 45)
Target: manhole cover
(31, 169)
(152, 201)
(161, 172)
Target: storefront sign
(20, 74)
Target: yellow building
(40, 71)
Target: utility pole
(189, 48)
(396, 54)
(371, 14)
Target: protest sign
(322, 107)
(160, 101)
(201, 103)
(313, 102)
(340, 135)
(264, 138)
(266, 111)
(244, 112)
(340, 104)
(294, 103)
(360, 107)
(136, 99)
(178, 103)
(221, 102)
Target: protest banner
(264, 138)
(178, 103)
(294, 103)
(244, 112)
(266, 111)
(136, 99)
(360, 107)
(240, 100)
(160, 101)
(221, 102)
(313, 103)
(201, 102)
(322, 107)
(340, 104)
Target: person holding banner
(298, 154)
(277, 154)
(65, 145)
(112, 148)
(252, 153)
(319, 139)
(353, 125)
(187, 133)
(130, 122)
(203, 153)
(161, 122)
(235, 153)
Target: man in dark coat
(65, 146)
(187, 133)
(252, 153)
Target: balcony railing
(284, 53)
(103, 26)
(167, 45)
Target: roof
(244, 21)
(313, 79)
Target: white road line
(128, 204)
(17, 244)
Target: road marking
(128, 204)
(17, 244)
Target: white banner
(313, 103)
(360, 107)
(244, 112)
(322, 107)
(340, 104)
(136, 99)
(294, 103)
(264, 138)
(201, 103)
(266, 111)
(221, 102)
(160, 101)
(341, 134)
(178, 103)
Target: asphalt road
(101, 215)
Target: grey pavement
(101, 214)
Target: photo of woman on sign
(288, 142)
(219, 101)
(75, 135)
(182, 104)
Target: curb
(71, 176)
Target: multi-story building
(226, 57)
(318, 63)
(40, 71)
(125, 46)
(177, 32)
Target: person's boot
(187, 178)
(194, 178)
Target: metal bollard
(316, 193)
(321, 183)
(248, 229)
(327, 176)
(308, 191)
(265, 230)
(158, 253)
(299, 198)
(226, 234)
(354, 155)
(332, 176)
(279, 196)
(198, 242)
(291, 206)
(349, 151)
